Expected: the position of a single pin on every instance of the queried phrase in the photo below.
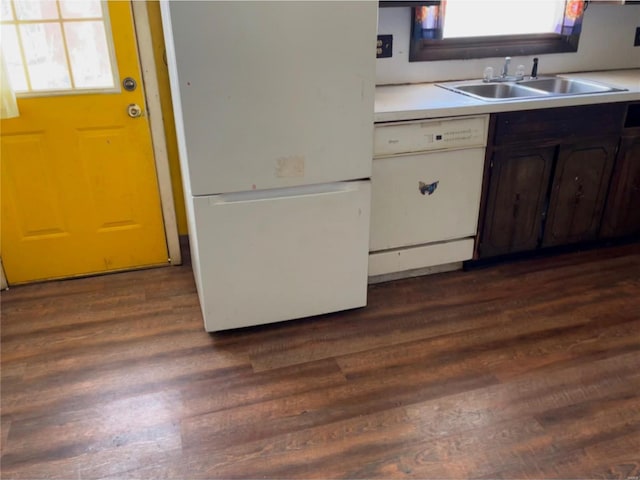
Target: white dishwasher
(426, 186)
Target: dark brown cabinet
(579, 191)
(548, 177)
(519, 183)
(622, 213)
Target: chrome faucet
(504, 74)
(505, 68)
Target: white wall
(606, 43)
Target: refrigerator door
(272, 94)
(268, 256)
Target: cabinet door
(622, 213)
(579, 190)
(517, 191)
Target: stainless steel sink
(499, 91)
(566, 86)
(533, 88)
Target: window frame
(73, 90)
(422, 49)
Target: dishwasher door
(425, 198)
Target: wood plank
(246, 389)
(317, 407)
(386, 444)
(522, 370)
(147, 424)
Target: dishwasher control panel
(429, 135)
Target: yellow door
(79, 187)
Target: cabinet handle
(516, 206)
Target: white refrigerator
(273, 107)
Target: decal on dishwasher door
(428, 188)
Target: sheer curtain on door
(9, 107)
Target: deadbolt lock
(129, 84)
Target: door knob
(134, 110)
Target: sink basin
(499, 91)
(566, 86)
(533, 88)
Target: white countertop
(426, 100)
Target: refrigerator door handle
(274, 193)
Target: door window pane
(36, 9)
(57, 45)
(44, 53)
(11, 52)
(5, 10)
(89, 54)
(80, 8)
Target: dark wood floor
(526, 370)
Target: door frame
(3, 279)
(154, 113)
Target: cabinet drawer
(558, 123)
(397, 138)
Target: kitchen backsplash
(606, 43)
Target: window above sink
(464, 29)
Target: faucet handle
(534, 69)
(505, 67)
